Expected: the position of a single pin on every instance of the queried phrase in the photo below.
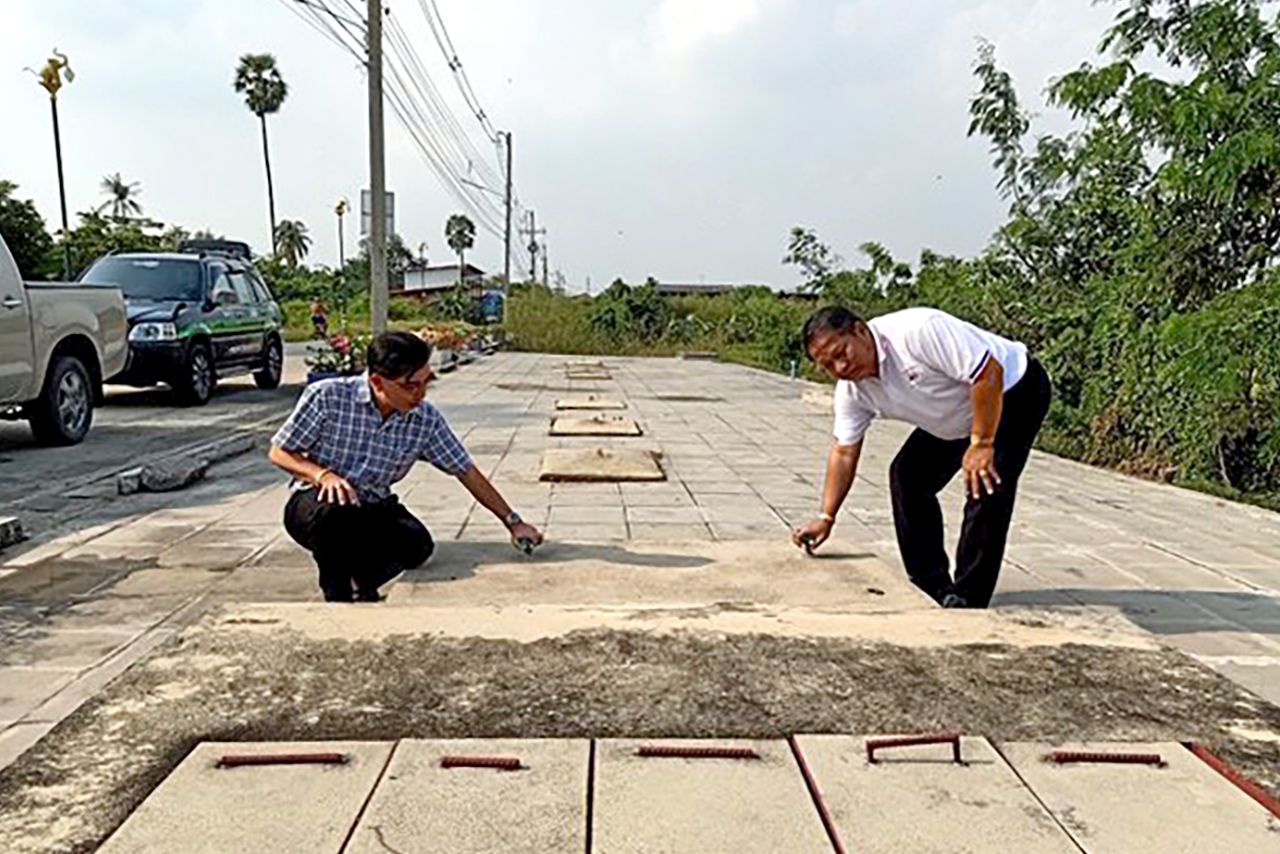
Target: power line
(441, 33)
(420, 108)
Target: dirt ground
(71, 790)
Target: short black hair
(396, 355)
(831, 318)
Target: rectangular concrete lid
(599, 464)
(589, 401)
(596, 425)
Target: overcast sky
(675, 138)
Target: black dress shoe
(954, 600)
(370, 596)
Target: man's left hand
(980, 475)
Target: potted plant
(340, 356)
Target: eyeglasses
(413, 386)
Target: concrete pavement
(743, 452)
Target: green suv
(195, 316)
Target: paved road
(133, 424)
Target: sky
(679, 139)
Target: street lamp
(51, 80)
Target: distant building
(682, 289)
(431, 281)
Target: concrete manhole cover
(599, 464)
(589, 401)
(598, 425)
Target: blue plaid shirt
(337, 425)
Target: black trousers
(926, 464)
(365, 545)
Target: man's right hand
(335, 489)
(815, 532)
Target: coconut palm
(122, 197)
(293, 241)
(264, 92)
(460, 234)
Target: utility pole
(378, 292)
(533, 231)
(506, 255)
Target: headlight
(154, 332)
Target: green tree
(460, 234)
(292, 241)
(812, 256)
(264, 90)
(24, 233)
(122, 197)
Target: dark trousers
(926, 464)
(365, 545)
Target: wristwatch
(512, 519)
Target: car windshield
(149, 278)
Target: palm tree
(264, 92)
(122, 197)
(292, 241)
(460, 234)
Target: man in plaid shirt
(347, 441)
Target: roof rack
(208, 246)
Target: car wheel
(64, 412)
(272, 365)
(195, 387)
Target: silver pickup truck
(57, 343)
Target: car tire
(195, 386)
(272, 365)
(64, 411)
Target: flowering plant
(338, 355)
(455, 335)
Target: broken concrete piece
(178, 472)
(575, 366)
(172, 474)
(10, 531)
(700, 355)
(599, 464)
(597, 425)
(589, 401)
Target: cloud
(680, 27)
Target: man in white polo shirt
(977, 401)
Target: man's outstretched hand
(812, 534)
(525, 532)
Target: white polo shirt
(928, 363)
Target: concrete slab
(24, 688)
(1184, 807)
(917, 799)
(423, 807)
(599, 464)
(201, 808)
(589, 401)
(739, 576)
(597, 425)
(646, 804)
